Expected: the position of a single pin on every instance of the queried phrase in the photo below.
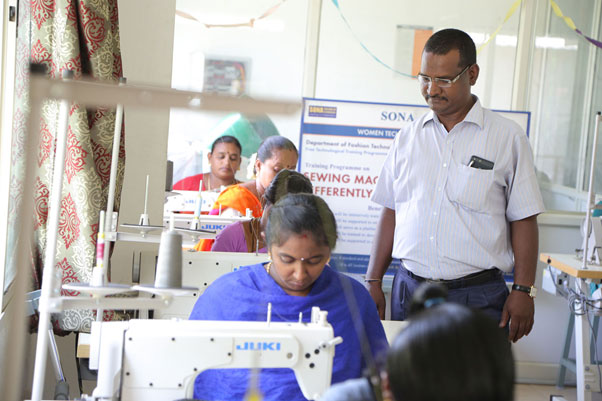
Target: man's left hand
(519, 309)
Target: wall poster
(225, 76)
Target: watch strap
(529, 290)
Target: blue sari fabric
(244, 295)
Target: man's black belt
(467, 281)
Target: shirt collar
(475, 115)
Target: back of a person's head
(301, 213)
(445, 40)
(426, 296)
(451, 353)
(286, 182)
(268, 145)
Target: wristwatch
(531, 291)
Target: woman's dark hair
(286, 182)
(226, 139)
(300, 213)
(270, 143)
(426, 296)
(461, 350)
(445, 40)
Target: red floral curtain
(82, 36)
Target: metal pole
(589, 84)
(113, 177)
(312, 39)
(108, 223)
(56, 358)
(115, 157)
(591, 202)
(48, 277)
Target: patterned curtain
(82, 36)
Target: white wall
(347, 72)
(273, 51)
(147, 37)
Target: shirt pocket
(470, 187)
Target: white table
(587, 374)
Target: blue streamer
(336, 4)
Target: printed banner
(342, 148)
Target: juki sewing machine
(160, 359)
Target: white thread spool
(169, 263)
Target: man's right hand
(376, 292)
(380, 258)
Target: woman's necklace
(208, 186)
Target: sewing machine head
(160, 359)
(592, 239)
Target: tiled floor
(536, 392)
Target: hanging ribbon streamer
(509, 14)
(250, 23)
(569, 22)
(378, 60)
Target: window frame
(7, 85)
(541, 13)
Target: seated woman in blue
(300, 235)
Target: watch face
(533, 292)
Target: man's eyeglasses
(441, 82)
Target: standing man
(460, 198)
